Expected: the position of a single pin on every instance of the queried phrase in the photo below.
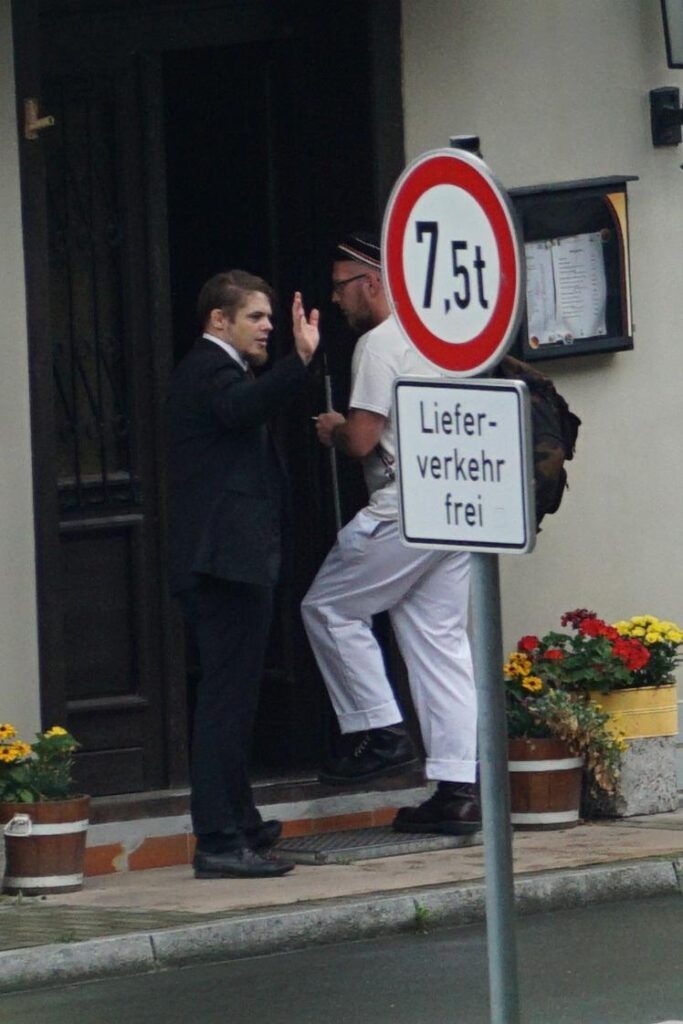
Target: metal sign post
(487, 653)
(453, 266)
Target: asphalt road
(621, 963)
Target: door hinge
(32, 123)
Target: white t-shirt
(379, 357)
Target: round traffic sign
(452, 261)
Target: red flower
(591, 627)
(576, 617)
(633, 654)
(596, 627)
(528, 643)
(554, 654)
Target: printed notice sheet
(566, 289)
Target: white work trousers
(425, 592)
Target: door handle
(32, 123)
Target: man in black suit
(226, 489)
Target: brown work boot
(453, 810)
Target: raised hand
(306, 333)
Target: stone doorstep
(162, 842)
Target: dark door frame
(161, 333)
(26, 31)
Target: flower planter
(641, 712)
(545, 784)
(44, 845)
(647, 717)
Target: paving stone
(674, 821)
(36, 923)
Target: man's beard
(360, 321)
(256, 358)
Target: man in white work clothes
(369, 571)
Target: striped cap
(360, 246)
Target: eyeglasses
(338, 286)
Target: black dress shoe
(379, 752)
(453, 810)
(240, 863)
(264, 835)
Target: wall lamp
(666, 115)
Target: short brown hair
(229, 291)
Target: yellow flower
(622, 628)
(518, 664)
(638, 631)
(532, 683)
(7, 731)
(14, 752)
(639, 620)
(56, 730)
(675, 636)
(652, 638)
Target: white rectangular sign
(464, 461)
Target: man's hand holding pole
(325, 424)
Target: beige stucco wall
(18, 625)
(559, 91)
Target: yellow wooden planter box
(642, 711)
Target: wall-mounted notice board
(578, 293)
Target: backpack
(554, 431)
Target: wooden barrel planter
(44, 846)
(545, 784)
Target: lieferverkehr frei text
(459, 466)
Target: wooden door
(104, 660)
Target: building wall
(19, 698)
(559, 91)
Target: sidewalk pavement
(140, 921)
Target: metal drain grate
(365, 844)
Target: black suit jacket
(225, 481)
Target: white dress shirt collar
(227, 347)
